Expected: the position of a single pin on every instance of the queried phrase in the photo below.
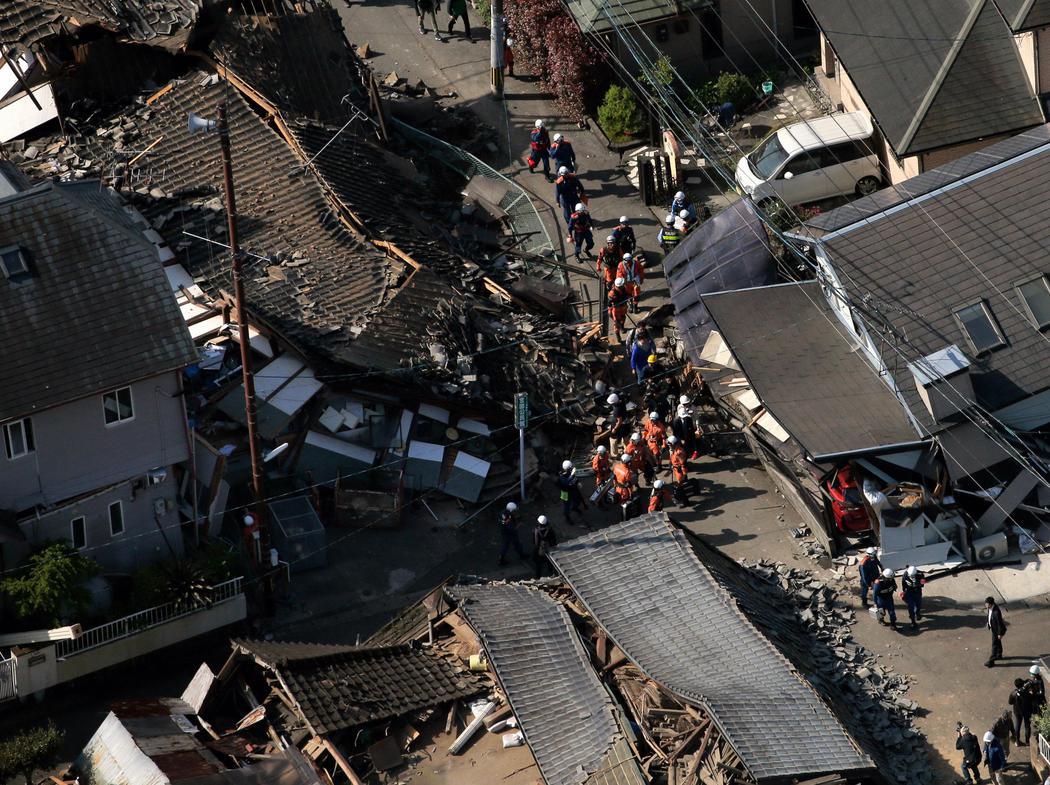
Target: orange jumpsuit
(633, 274)
(656, 436)
(679, 470)
(602, 469)
(606, 264)
(624, 481)
(658, 499)
(619, 299)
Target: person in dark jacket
(624, 234)
(424, 7)
(508, 530)
(971, 750)
(1036, 690)
(544, 540)
(998, 629)
(869, 569)
(911, 593)
(995, 757)
(884, 588)
(568, 190)
(1021, 708)
(642, 347)
(569, 491)
(1004, 730)
(562, 152)
(458, 9)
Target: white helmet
(613, 398)
(912, 571)
(654, 415)
(558, 137)
(627, 257)
(610, 239)
(658, 484)
(636, 437)
(623, 219)
(1034, 670)
(887, 573)
(869, 551)
(542, 520)
(601, 449)
(683, 213)
(539, 124)
(566, 465)
(510, 42)
(678, 196)
(669, 219)
(625, 458)
(562, 169)
(988, 736)
(683, 399)
(672, 439)
(580, 207)
(618, 282)
(512, 507)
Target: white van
(811, 160)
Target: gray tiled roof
(96, 314)
(918, 262)
(593, 16)
(1025, 14)
(651, 593)
(932, 74)
(564, 711)
(787, 356)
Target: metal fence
(144, 620)
(521, 213)
(1044, 749)
(8, 685)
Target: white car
(812, 160)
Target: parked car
(812, 160)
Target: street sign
(521, 410)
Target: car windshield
(767, 157)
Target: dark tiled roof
(932, 74)
(339, 687)
(808, 372)
(25, 23)
(1025, 14)
(892, 195)
(593, 16)
(651, 593)
(975, 239)
(564, 711)
(96, 314)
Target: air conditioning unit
(993, 548)
(156, 476)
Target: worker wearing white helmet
(624, 234)
(562, 170)
(569, 491)
(539, 149)
(544, 540)
(684, 400)
(568, 190)
(608, 260)
(681, 202)
(508, 530)
(868, 570)
(683, 222)
(672, 439)
(557, 137)
(658, 497)
(1036, 690)
(539, 124)
(995, 757)
(656, 438)
(619, 300)
(911, 589)
(669, 235)
(884, 588)
(580, 225)
(602, 467)
(563, 153)
(632, 271)
(641, 462)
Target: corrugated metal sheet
(111, 757)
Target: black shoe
(915, 625)
(990, 664)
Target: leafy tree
(28, 750)
(619, 115)
(52, 584)
(662, 73)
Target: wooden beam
(343, 763)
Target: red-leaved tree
(548, 43)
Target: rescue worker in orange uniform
(625, 479)
(641, 458)
(656, 436)
(632, 271)
(608, 259)
(659, 497)
(602, 471)
(619, 299)
(679, 469)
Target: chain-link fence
(521, 213)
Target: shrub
(737, 89)
(1042, 723)
(51, 584)
(484, 9)
(30, 749)
(619, 115)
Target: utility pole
(496, 49)
(248, 378)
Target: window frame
(23, 258)
(1024, 300)
(119, 504)
(131, 404)
(83, 531)
(990, 316)
(28, 438)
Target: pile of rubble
(872, 696)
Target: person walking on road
(624, 234)
(569, 491)
(998, 629)
(869, 569)
(971, 750)
(424, 7)
(544, 540)
(508, 530)
(884, 588)
(580, 234)
(1021, 708)
(640, 351)
(562, 153)
(911, 593)
(1004, 730)
(632, 270)
(659, 497)
(457, 9)
(608, 261)
(539, 144)
(619, 299)
(669, 237)
(568, 190)
(602, 467)
(995, 757)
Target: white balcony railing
(8, 686)
(143, 620)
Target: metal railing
(144, 620)
(521, 213)
(8, 684)
(1044, 749)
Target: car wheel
(867, 185)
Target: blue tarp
(727, 252)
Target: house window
(18, 438)
(1036, 296)
(979, 325)
(14, 262)
(711, 32)
(78, 532)
(116, 518)
(117, 406)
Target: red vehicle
(847, 502)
